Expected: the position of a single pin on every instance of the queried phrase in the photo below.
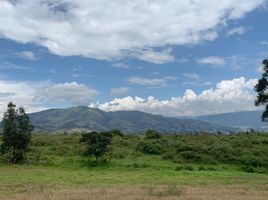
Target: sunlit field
(55, 170)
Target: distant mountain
(85, 118)
(243, 120)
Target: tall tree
(16, 133)
(262, 89)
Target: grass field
(28, 182)
(57, 173)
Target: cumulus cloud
(70, 93)
(119, 91)
(21, 93)
(227, 96)
(36, 96)
(151, 82)
(117, 29)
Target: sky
(173, 58)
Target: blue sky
(163, 57)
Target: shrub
(119, 155)
(253, 161)
(152, 134)
(149, 147)
(190, 156)
(97, 145)
(202, 168)
(116, 132)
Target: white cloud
(120, 65)
(70, 93)
(237, 31)
(212, 60)
(234, 62)
(227, 96)
(22, 94)
(191, 76)
(36, 96)
(116, 29)
(204, 83)
(156, 57)
(7, 94)
(151, 82)
(119, 91)
(28, 55)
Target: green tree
(262, 89)
(16, 133)
(97, 145)
(152, 134)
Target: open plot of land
(172, 167)
(38, 183)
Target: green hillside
(78, 118)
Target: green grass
(14, 176)
(55, 163)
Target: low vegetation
(184, 167)
(246, 151)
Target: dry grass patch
(170, 192)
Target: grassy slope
(60, 168)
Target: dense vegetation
(246, 151)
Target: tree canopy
(16, 133)
(262, 89)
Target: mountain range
(91, 119)
(85, 118)
(243, 120)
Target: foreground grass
(145, 193)
(38, 183)
(188, 167)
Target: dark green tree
(152, 134)
(97, 145)
(16, 133)
(262, 89)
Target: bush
(253, 161)
(202, 168)
(190, 156)
(149, 147)
(152, 134)
(248, 169)
(97, 146)
(119, 155)
(116, 132)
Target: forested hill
(78, 118)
